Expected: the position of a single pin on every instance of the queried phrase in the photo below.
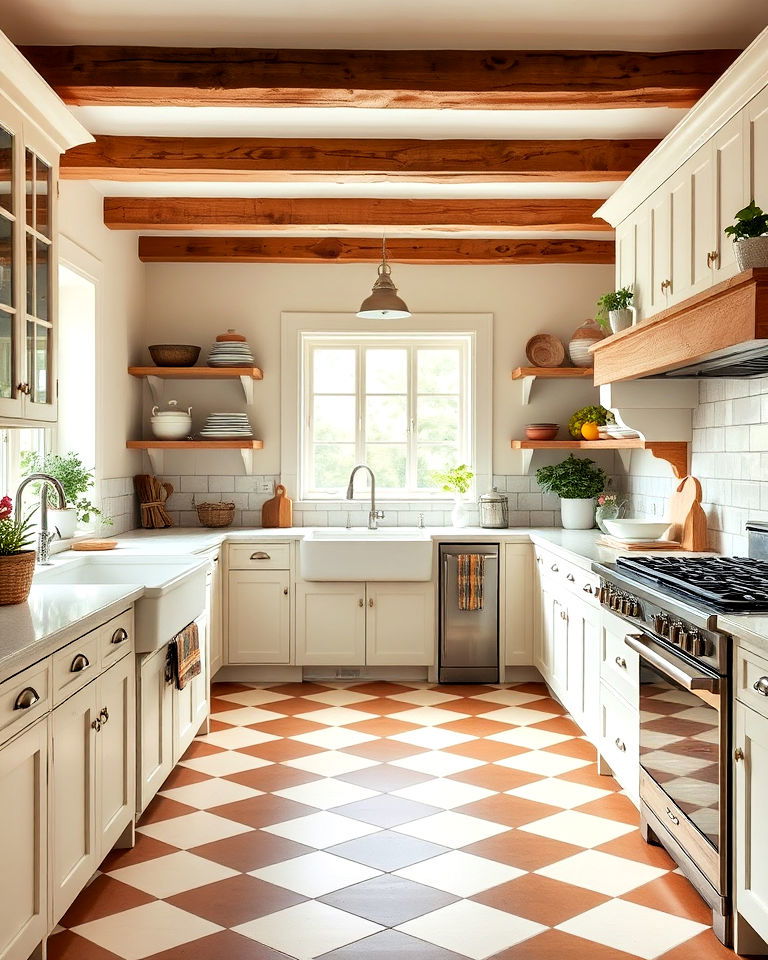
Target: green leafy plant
(598, 414)
(74, 477)
(615, 300)
(16, 533)
(573, 479)
(456, 480)
(750, 222)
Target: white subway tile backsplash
(193, 484)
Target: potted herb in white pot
(457, 481)
(750, 237)
(577, 481)
(76, 480)
(614, 310)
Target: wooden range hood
(731, 314)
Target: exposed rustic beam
(247, 213)
(433, 250)
(216, 158)
(465, 79)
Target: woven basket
(16, 572)
(215, 514)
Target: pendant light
(383, 303)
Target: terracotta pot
(16, 572)
(541, 431)
(581, 340)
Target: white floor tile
(542, 763)
(315, 874)
(460, 873)
(326, 793)
(674, 763)
(581, 829)
(510, 698)
(451, 829)
(432, 738)
(235, 737)
(225, 763)
(428, 716)
(437, 763)
(602, 872)
(193, 829)
(443, 793)
(558, 793)
(423, 698)
(175, 873)
(331, 763)
(517, 716)
(471, 929)
(530, 737)
(308, 930)
(333, 738)
(210, 793)
(246, 716)
(340, 698)
(142, 931)
(637, 930)
(254, 698)
(337, 716)
(321, 830)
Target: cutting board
(615, 544)
(278, 512)
(94, 545)
(687, 520)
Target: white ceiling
(390, 24)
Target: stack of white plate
(226, 426)
(230, 353)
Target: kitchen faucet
(374, 515)
(44, 538)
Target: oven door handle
(673, 667)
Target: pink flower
(6, 508)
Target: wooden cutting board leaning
(278, 512)
(687, 520)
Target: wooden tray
(94, 545)
(606, 541)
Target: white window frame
(300, 329)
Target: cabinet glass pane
(6, 354)
(38, 341)
(30, 259)
(42, 270)
(6, 170)
(42, 194)
(6, 261)
(29, 187)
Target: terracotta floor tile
(262, 811)
(613, 807)
(633, 847)
(576, 747)
(288, 727)
(226, 945)
(381, 726)
(69, 946)
(236, 900)
(380, 688)
(221, 706)
(101, 898)
(182, 777)
(672, 894)
(556, 945)
(270, 779)
(556, 725)
(591, 778)
(289, 708)
(463, 689)
(472, 707)
(705, 946)
(382, 706)
(511, 811)
(526, 851)
(495, 778)
(280, 750)
(163, 808)
(298, 689)
(537, 687)
(384, 750)
(488, 750)
(250, 851)
(145, 848)
(200, 749)
(474, 726)
(217, 689)
(384, 778)
(540, 899)
(546, 705)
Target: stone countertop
(52, 616)
(752, 628)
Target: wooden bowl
(174, 354)
(541, 431)
(545, 350)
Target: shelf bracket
(247, 385)
(156, 386)
(247, 461)
(525, 388)
(156, 460)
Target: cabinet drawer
(260, 556)
(619, 665)
(75, 665)
(752, 681)
(619, 738)
(582, 583)
(116, 639)
(24, 698)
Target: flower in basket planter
(17, 556)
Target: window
(13, 442)
(400, 403)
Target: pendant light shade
(384, 303)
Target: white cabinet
(660, 288)
(24, 842)
(259, 622)
(518, 592)
(583, 666)
(756, 148)
(400, 624)
(330, 623)
(190, 707)
(116, 754)
(731, 161)
(215, 625)
(154, 731)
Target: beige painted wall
(111, 257)
(192, 303)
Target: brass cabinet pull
(563, 615)
(620, 744)
(761, 686)
(712, 257)
(554, 568)
(587, 588)
(260, 555)
(285, 591)
(621, 662)
(26, 699)
(104, 715)
(361, 602)
(370, 602)
(96, 724)
(666, 285)
(120, 635)
(80, 663)
(673, 818)
(738, 754)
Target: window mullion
(412, 468)
(361, 404)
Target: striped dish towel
(469, 584)
(183, 659)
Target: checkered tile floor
(380, 821)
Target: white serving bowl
(171, 428)
(636, 529)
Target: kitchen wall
(192, 303)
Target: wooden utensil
(687, 520)
(277, 512)
(545, 350)
(94, 545)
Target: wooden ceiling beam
(443, 79)
(280, 214)
(455, 161)
(427, 250)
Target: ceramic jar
(577, 514)
(582, 339)
(621, 319)
(171, 423)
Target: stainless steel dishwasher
(469, 639)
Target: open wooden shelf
(156, 375)
(526, 376)
(673, 451)
(156, 448)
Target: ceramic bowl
(171, 428)
(541, 431)
(174, 354)
(636, 529)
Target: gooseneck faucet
(44, 538)
(374, 515)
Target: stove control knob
(661, 624)
(634, 607)
(677, 633)
(696, 645)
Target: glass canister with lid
(494, 509)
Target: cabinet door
(756, 146)
(643, 299)
(558, 662)
(583, 665)
(661, 251)
(11, 267)
(625, 253)
(116, 754)
(731, 192)
(190, 705)
(24, 841)
(330, 623)
(518, 592)
(704, 239)
(259, 616)
(215, 626)
(543, 655)
(400, 624)
(73, 797)
(154, 727)
(751, 735)
(679, 189)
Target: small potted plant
(577, 482)
(457, 481)
(76, 480)
(17, 556)
(750, 237)
(614, 310)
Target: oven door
(683, 737)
